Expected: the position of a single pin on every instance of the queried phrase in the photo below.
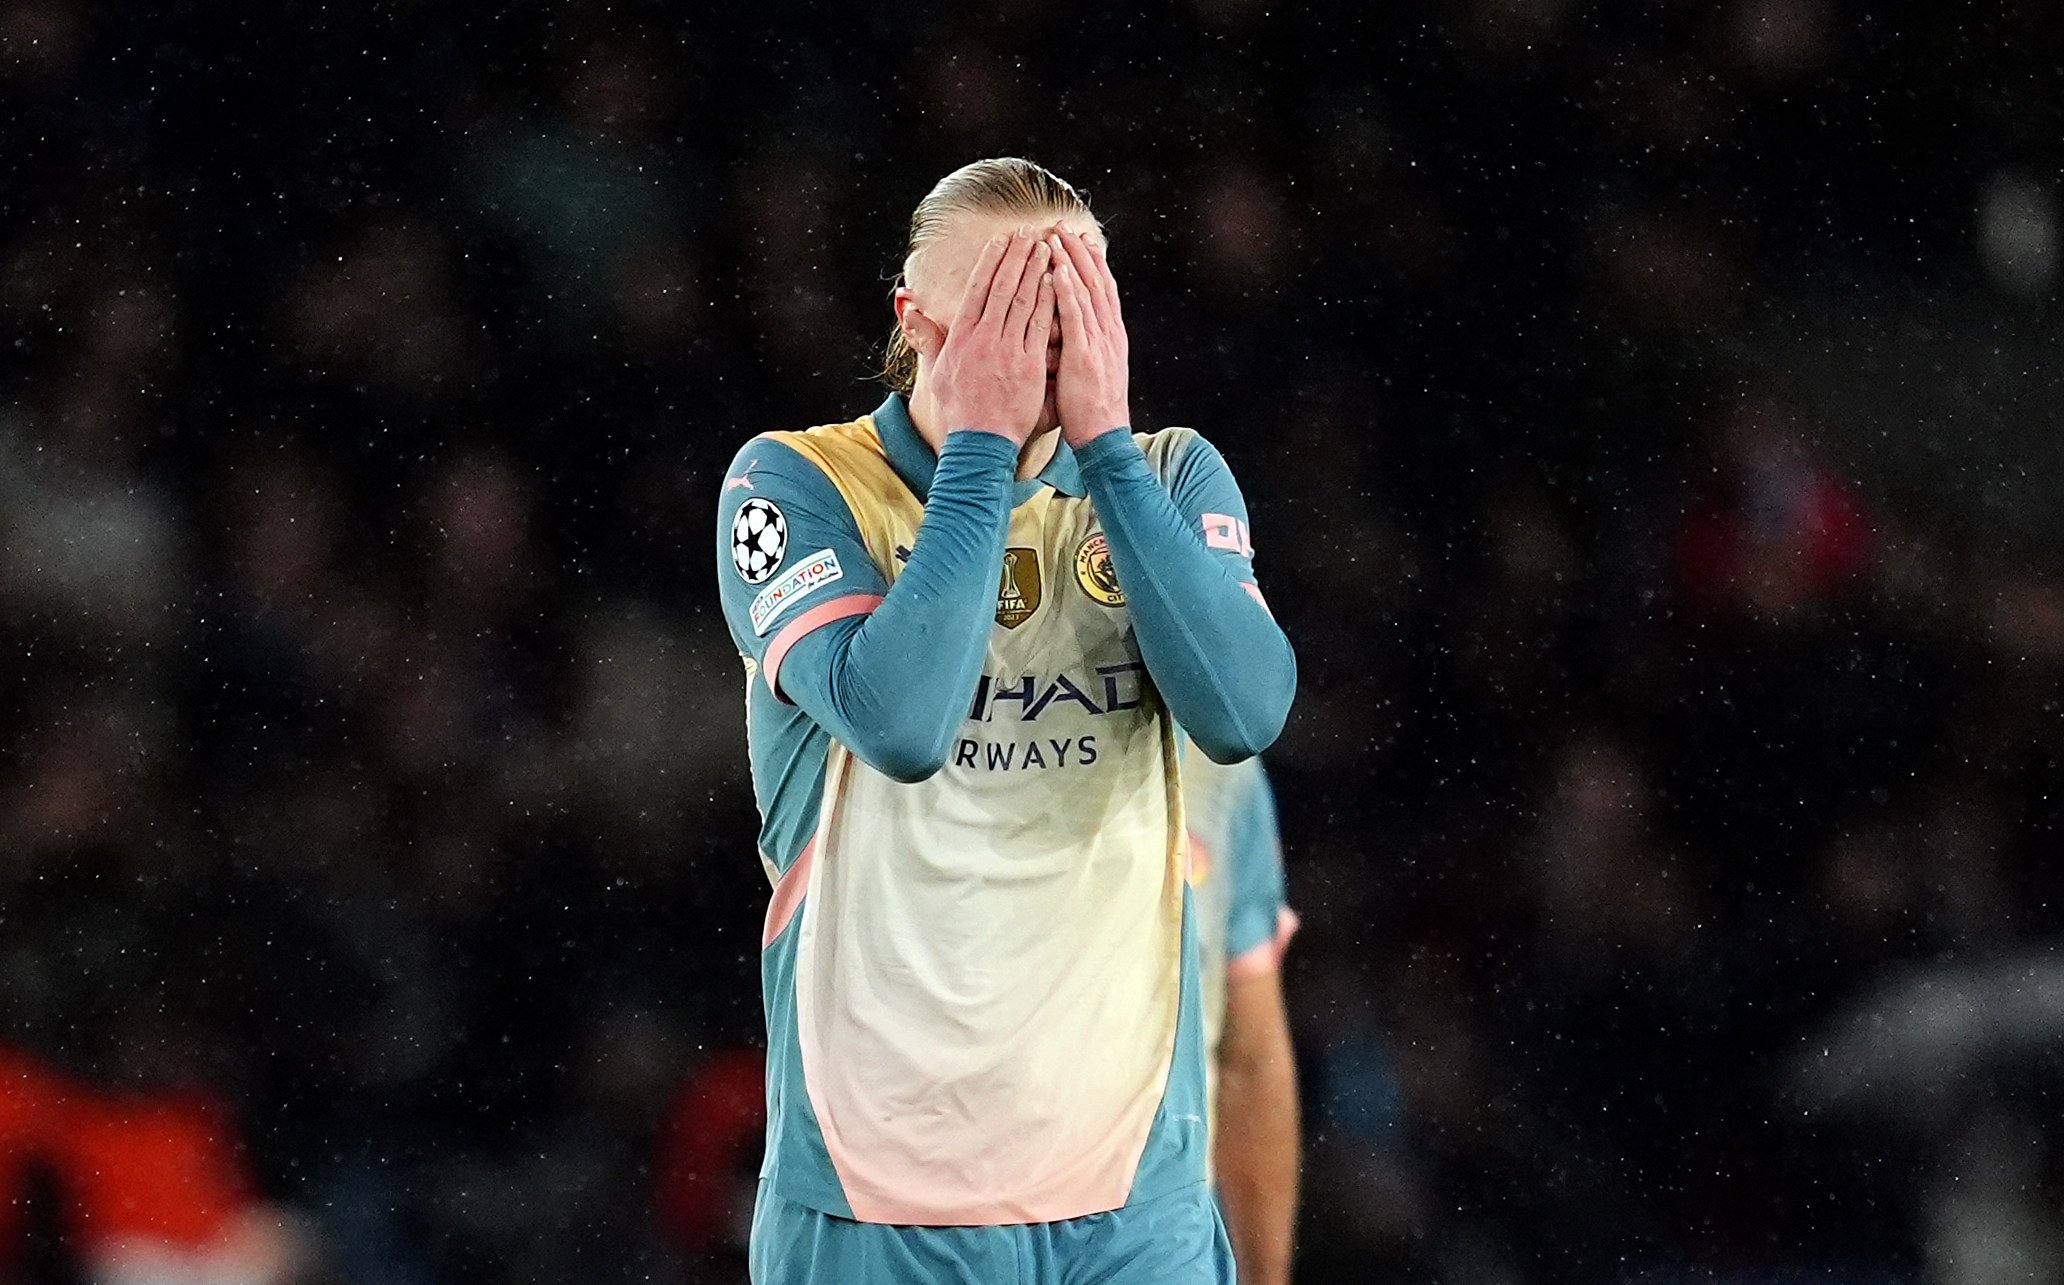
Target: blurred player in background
(972, 622)
(150, 1180)
(1243, 926)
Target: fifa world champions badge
(1094, 572)
(1018, 592)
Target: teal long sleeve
(894, 685)
(1221, 663)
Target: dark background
(1646, 414)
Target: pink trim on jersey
(788, 894)
(1254, 592)
(855, 604)
(1267, 957)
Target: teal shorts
(1176, 1239)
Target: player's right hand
(987, 370)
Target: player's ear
(922, 333)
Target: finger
(1042, 323)
(1108, 278)
(1020, 314)
(1084, 269)
(1003, 288)
(925, 335)
(1069, 306)
(1102, 284)
(975, 295)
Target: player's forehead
(944, 262)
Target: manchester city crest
(1094, 572)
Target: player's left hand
(1090, 389)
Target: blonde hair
(1001, 185)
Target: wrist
(1110, 424)
(1110, 447)
(970, 438)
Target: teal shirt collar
(913, 460)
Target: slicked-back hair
(1002, 185)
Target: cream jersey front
(982, 988)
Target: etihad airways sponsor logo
(1025, 756)
(1106, 689)
(1023, 698)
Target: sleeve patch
(759, 538)
(1222, 531)
(805, 577)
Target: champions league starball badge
(759, 536)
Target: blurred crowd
(1672, 804)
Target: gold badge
(1094, 572)
(1017, 593)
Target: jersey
(981, 989)
(1244, 922)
